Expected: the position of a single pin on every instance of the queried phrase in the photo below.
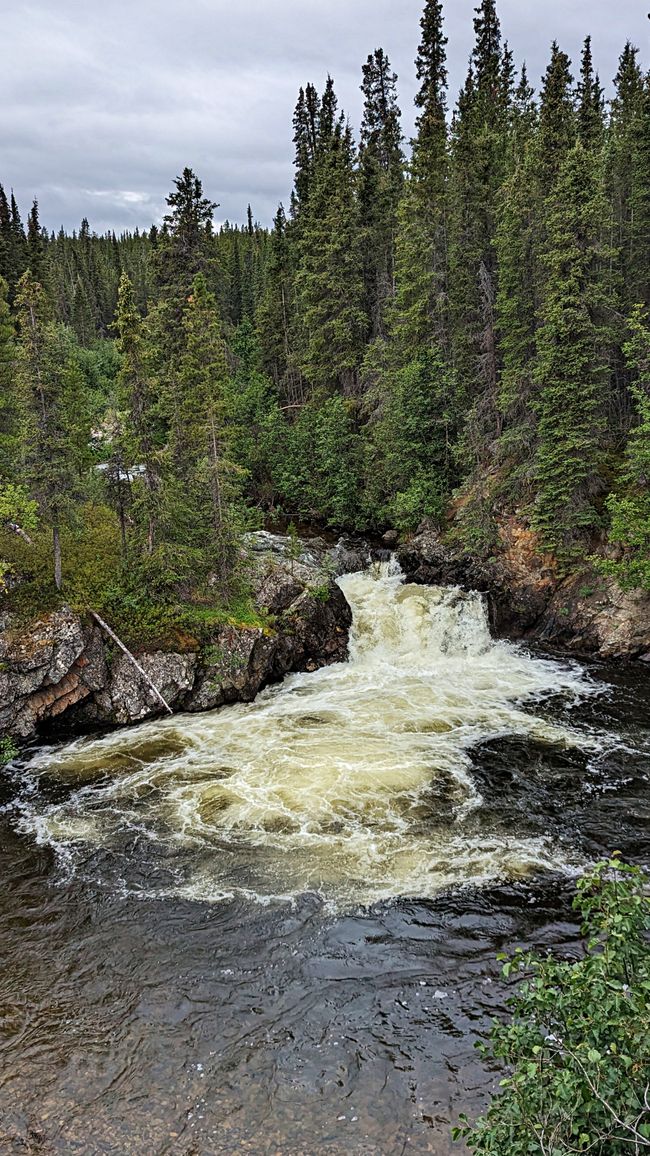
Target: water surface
(272, 928)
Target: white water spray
(355, 781)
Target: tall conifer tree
(9, 428)
(331, 320)
(571, 372)
(590, 102)
(381, 178)
(420, 314)
(56, 426)
(138, 399)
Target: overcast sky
(103, 102)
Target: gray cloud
(102, 104)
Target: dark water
(159, 1025)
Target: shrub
(8, 751)
(577, 1045)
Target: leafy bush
(8, 751)
(577, 1044)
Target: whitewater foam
(355, 781)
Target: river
(272, 928)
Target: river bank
(583, 613)
(62, 672)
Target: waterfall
(355, 780)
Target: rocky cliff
(585, 613)
(62, 670)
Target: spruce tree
(571, 371)
(138, 398)
(305, 138)
(516, 242)
(56, 426)
(5, 237)
(183, 250)
(9, 427)
(524, 117)
(638, 265)
(420, 313)
(410, 467)
(557, 119)
(411, 396)
(629, 504)
(516, 311)
(480, 148)
(487, 56)
(36, 246)
(204, 490)
(18, 243)
(590, 102)
(331, 321)
(275, 311)
(624, 169)
(381, 178)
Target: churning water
(151, 1004)
(355, 781)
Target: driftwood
(113, 635)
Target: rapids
(355, 782)
(273, 929)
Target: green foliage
(418, 318)
(629, 504)
(320, 593)
(8, 751)
(577, 1043)
(202, 485)
(571, 366)
(411, 440)
(55, 412)
(16, 506)
(332, 322)
(381, 179)
(317, 464)
(19, 513)
(149, 600)
(9, 433)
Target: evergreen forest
(452, 329)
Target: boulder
(46, 670)
(63, 672)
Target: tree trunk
(56, 542)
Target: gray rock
(278, 586)
(129, 696)
(62, 671)
(588, 614)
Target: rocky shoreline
(63, 673)
(586, 614)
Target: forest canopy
(451, 328)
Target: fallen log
(132, 658)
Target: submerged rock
(63, 671)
